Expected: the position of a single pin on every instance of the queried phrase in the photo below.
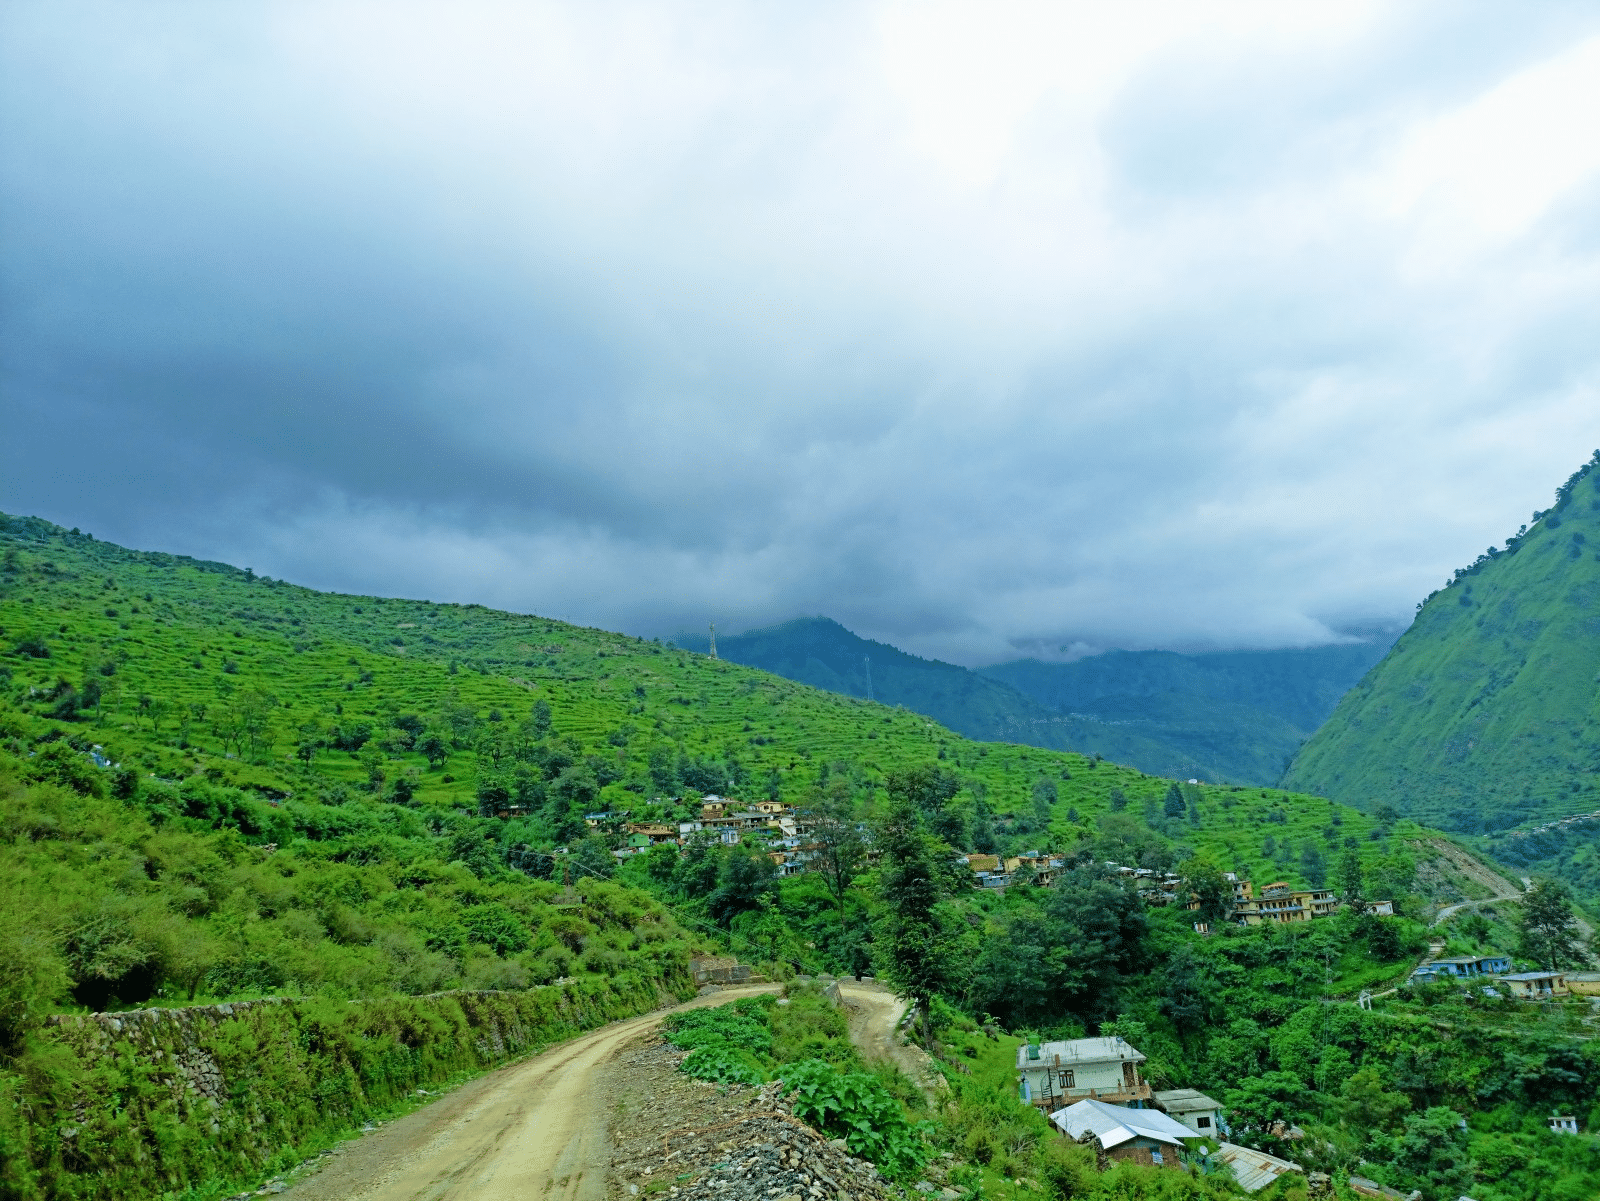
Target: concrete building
(1536, 986)
(1100, 1069)
(1583, 984)
(1194, 1109)
(1145, 1136)
(1460, 968)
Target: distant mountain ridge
(1486, 713)
(1228, 718)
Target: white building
(1101, 1069)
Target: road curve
(534, 1131)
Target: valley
(342, 853)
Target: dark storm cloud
(982, 328)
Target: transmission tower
(713, 640)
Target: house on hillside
(1145, 1136)
(1281, 903)
(1461, 967)
(1254, 1170)
(1100, 1069)
(987, 870)
(654, 831)
(1583, 984)
(1194, 1109)
(1536, 986)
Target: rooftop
(1115, 1124)
(1253, 1169)
(1077, 1050)
(1533, 975)
(1185, 1100)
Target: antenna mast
(868, 658)
(713, 640)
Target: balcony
(1125, 1094)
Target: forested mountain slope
(1226, 718)
(1484, 714)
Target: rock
(838, 1144)
(948, 1194)
(924, 1186)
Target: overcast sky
(987, 328)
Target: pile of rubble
(725, 1144)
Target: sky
(990, 329)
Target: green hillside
(194, 673)
(215, 787)
(1484, 715)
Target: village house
(1281, 903)
(1562, 1123)
(1036, 868)
(1536, 986)
(771, 808)
(1461, 968)
(987, 870)
(1194, 1109)
(1145, 1136)
(1583, 984)
(654, 831)
(1100, 1069)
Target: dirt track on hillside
(533, 1131)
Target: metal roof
(1185, 1100)
(1253, 1169)
(1117, 1124)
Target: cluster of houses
(780, 831)
(1494, 971)
(1278, 902)
(1093, 1091)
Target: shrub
(858, 1108)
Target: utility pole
(713, 640)
(868, 658)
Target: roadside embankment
(152, 1101)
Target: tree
(434, 748)
(1044, 798)
(1205, 883)
(1549, 930)
(1313, 866)
(745, 883)
(539, 720)
(1432, 1153)
(914, 946)
(1174, 804)
(1350, 881)
(309, 742)
(836, 837)
(1119, 800)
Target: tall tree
(1204, 882)
(914, 946)
(1549, 930)
(1174, 805)
(1351, 883)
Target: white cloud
(972, 325)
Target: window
(1069, 1079)
(1203, 1122)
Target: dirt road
(534, 1131)
(874, 1014)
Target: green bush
(721, 1064)
(857, 1107)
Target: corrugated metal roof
(1116, 1124)
(1185, 1100)
(1253, 1169)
